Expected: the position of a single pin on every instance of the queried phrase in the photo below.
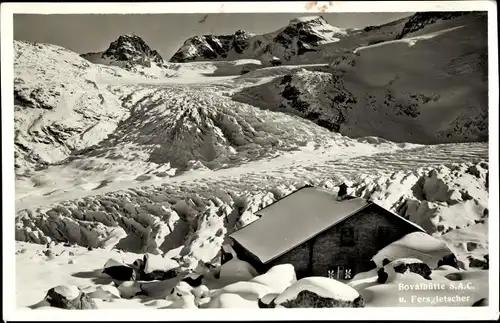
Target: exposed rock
(382, 276)
(301, 35)
(194, 282)
(421, 19)
(481, 302)
(70, 298)
(307, 299)
(267, 301)
(319, 292)
(451, 260)
(418, 268)
(129, 49)
(119, 271)
(479, 263)
(155, 267)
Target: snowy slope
(428, 88)
(368, 35)
(308, 40)
(143, 156)
(65, 104)
(59, 104)
(299, 36)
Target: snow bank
(238, 67)
(68, 292)
(237, 270)
(157, 262)
(247, 289)
(416, 245)
(278, 278)
(447, 286)
(441, 200)
(228, 300)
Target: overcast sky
(164, 32)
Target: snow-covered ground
(40, 268)
(169, 159)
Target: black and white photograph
(318, 155)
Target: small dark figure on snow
(342, 191)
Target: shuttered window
(347, 238)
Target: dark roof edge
(400, 217)
(251, 253)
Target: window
(347, 237)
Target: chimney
(342, 192)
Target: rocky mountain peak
(303, 34)
(132, 48)
(311, 20)
(298, 36)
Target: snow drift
(84, 287)
(59, 105)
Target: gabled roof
(296, 218)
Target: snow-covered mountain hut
(320, 234)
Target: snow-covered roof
(295, 219)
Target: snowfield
(373, 90)
(142, 168)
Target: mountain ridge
(300, 35)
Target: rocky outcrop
(69, 298)
(211, 47)
(317, 292)
(130, 50)
(422, 19)
(307, 299)
(371, 90)
(421, 269)
(301, 35)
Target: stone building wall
(373, 229)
